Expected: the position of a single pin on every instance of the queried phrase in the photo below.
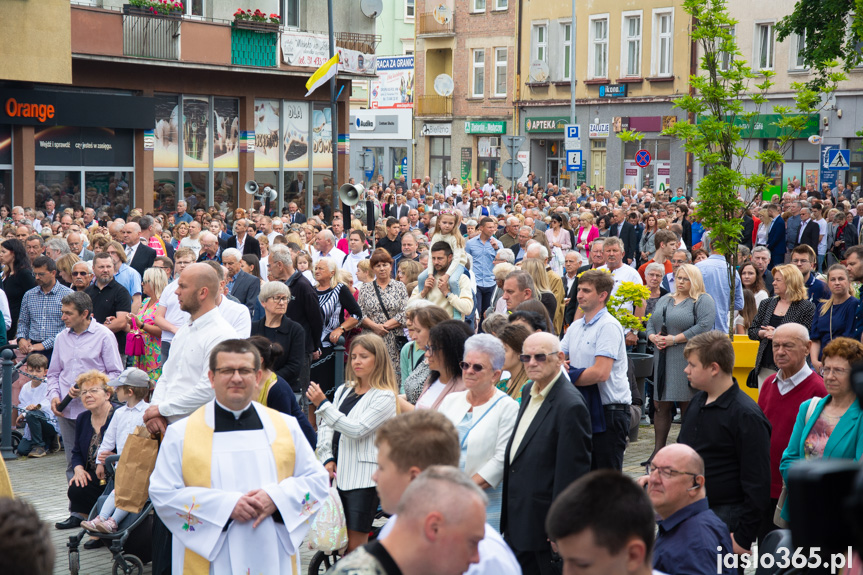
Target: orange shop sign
(16, 109)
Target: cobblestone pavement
(42, 483)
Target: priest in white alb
(237, 483)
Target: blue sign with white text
(826, 175)
(573, 161)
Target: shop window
(322, 195)
(6, 188)
(64, 187)
(195, 189)
(226, 189)
(296, 190)
(226, 133)
(6, 166)
(400, 164)
(598, 55)
(110, 192)
(855, 174)
(440, 170)
(165, 191)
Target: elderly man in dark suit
(776, 236)
(620, 228)
(809, 231)
(242, 240)
(294, 215)
(549, 449)
(140, 256)
(243, 286)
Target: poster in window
(322, 138)
(226, 133)
(167, 134)
(74, 146)
(663, 175)
(5, 144)
(196, 115)
(266, 134)
(296, 126)
(631, 175)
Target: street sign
(572, 135)
(839, 160)
(512, 169)
(642, 158)
(573, 161)
(513, 143)
(825, 174)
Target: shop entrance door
(597, 166)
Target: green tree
(833, 30)
(721, 89)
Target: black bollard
(6, 446)
(340, 363)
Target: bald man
(689, 532)
(540, 464)
(185, 384)
(139, 256)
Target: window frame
(593, 43)
(474, 68)
(284, 6)
(756, 45)
(497, 71)
(501, 5)
(410, 4)
(474, 6)
(726, 58)
(567, 48)
(625, 39)
(656, 43)
(795, 63)
(536, 45)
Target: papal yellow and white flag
(323, 74)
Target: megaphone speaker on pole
(251, 187)
(350, 195)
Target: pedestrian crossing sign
(839, 160)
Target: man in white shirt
(613, 250)
(234, 312)
(184, 385)
(453, 189)
(399, 441)
(822, 235)
(488, 188)
(168, 314)
(267, 229)
(325, 244)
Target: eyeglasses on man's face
(666, 472)
(539, 357)
(229, 371)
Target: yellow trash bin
(745, 353)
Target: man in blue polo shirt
(689, 532)
(483, 249)
(596, 343)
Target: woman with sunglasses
(484, 417)
(444, 354)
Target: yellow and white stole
(198, 463)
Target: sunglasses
(80, 273)
(476, 367)
(540, 358)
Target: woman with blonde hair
(835, 317)
(408, 272)
(64, 268)
(788, 304)
(181, 231)
(677, 318)
(347, 428)
(155, 281)
(536, 269)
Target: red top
(781, 411)
(643, 268)
(757, 223)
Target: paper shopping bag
(132, 478)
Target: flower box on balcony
(130, 10)
(255, 26)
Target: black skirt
(360, 508)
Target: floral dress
(395, 298)
(151, 361)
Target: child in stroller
(132, 387)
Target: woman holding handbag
(382, 302)
(678, 317)
(144, 337)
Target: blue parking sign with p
(573, 161)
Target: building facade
(464, 84)
(630, 63)
(150, 109)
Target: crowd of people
(487, 395)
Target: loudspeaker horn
(351, 194)
(269, 193)
(251, 187)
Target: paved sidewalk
(42, 482)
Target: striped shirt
(40, 318)
(333, 303)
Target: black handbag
(401, 340)
(659, 384)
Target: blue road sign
(642, 158)
(573, 161)
(839, 159)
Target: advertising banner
(226, 133)
(322, 138)
(266, 134)
(304, 49)
(196, 116)
(72, 146)
(631, 175)
(466, 161)
(394, 86)
(356, 62)
(166, 152)
(296, 129)
(663, 175)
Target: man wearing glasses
(689, 532)
(730, 432)
(549, 449)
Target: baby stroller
(131, 545)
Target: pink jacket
(591, 235)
